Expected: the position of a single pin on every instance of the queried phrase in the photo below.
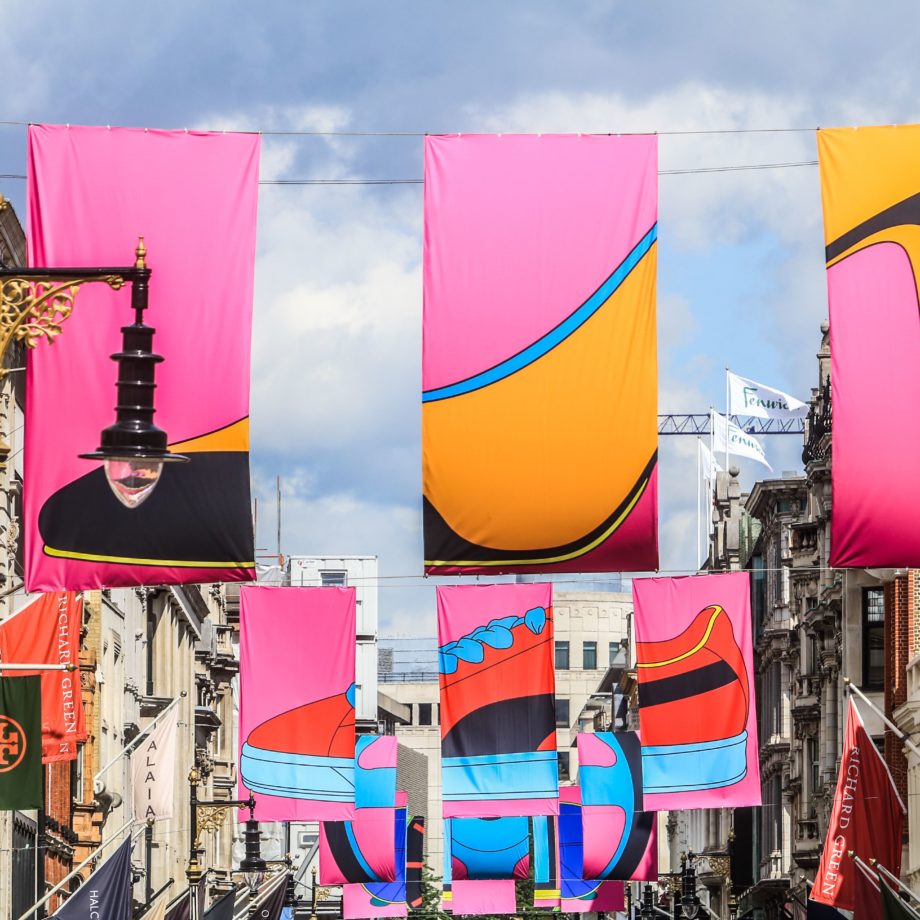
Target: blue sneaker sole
(298, 776)
(701, 765)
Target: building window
(562, 656)
(424, 714)
(814, 773)
(333, 579)
(589, 656)
(873, 616)
(613, 649)
(563, 764)
(562, 712)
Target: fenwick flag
(106, 894)
(47, 631)
(866, 818)
(153, 770)
(750, 398)
(20, 743)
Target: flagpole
(866, 870)
(849, 685)
(73, 872)
(875, 864)
(699, 498)
(20, 666)
(727, 417)
(130, 747)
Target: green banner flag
(20, 743)
(893, 906)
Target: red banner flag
(48, 632)
(866, 818)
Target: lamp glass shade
(132, 480)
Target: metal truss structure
(697, 423)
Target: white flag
(153, 770)
(749, 398)
(708, 462)
(739, 442)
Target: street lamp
(648, 906)
(689, 901)
(209, 816)
(34, 302)
(252, 865)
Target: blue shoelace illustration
(495, 634)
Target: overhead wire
(743, 167)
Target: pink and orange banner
(498, 723)
(297, 703)
(697, 714)
(869, 189)
(192, 196)
(539, 326)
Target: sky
(337, 319)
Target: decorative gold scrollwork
(210, 818)
(33, 309)
(720, 865)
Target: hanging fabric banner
(580, 895)
(362, 849)
(488, 848)
(192, 196)
(380, 899)
(539, 326)
(474, 899)
(697, 714)
(106, 893)
(498, 722)
(546, 893)
(297, 702)
(415, 861)
(153, 770)
(866, 818)
(47, 631)
(869, 190)
(375, 771)
(620, 840)
(21, 775)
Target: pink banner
(697, 714)
(620, 839)
(869, 191)
(498, 723)
(192, 196)
(360, 901)
(297, 718)
(539, 326)
(477, 898)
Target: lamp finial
(141, 253)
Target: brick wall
(898, 651)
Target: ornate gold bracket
(33, 309)
(210, 818)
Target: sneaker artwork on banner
(620, 840)
(498, 724)
(697, 716)
(297, 703)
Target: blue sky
(338, 295)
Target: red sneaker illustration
(304, 753)
(498, 726)
(693, 707)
